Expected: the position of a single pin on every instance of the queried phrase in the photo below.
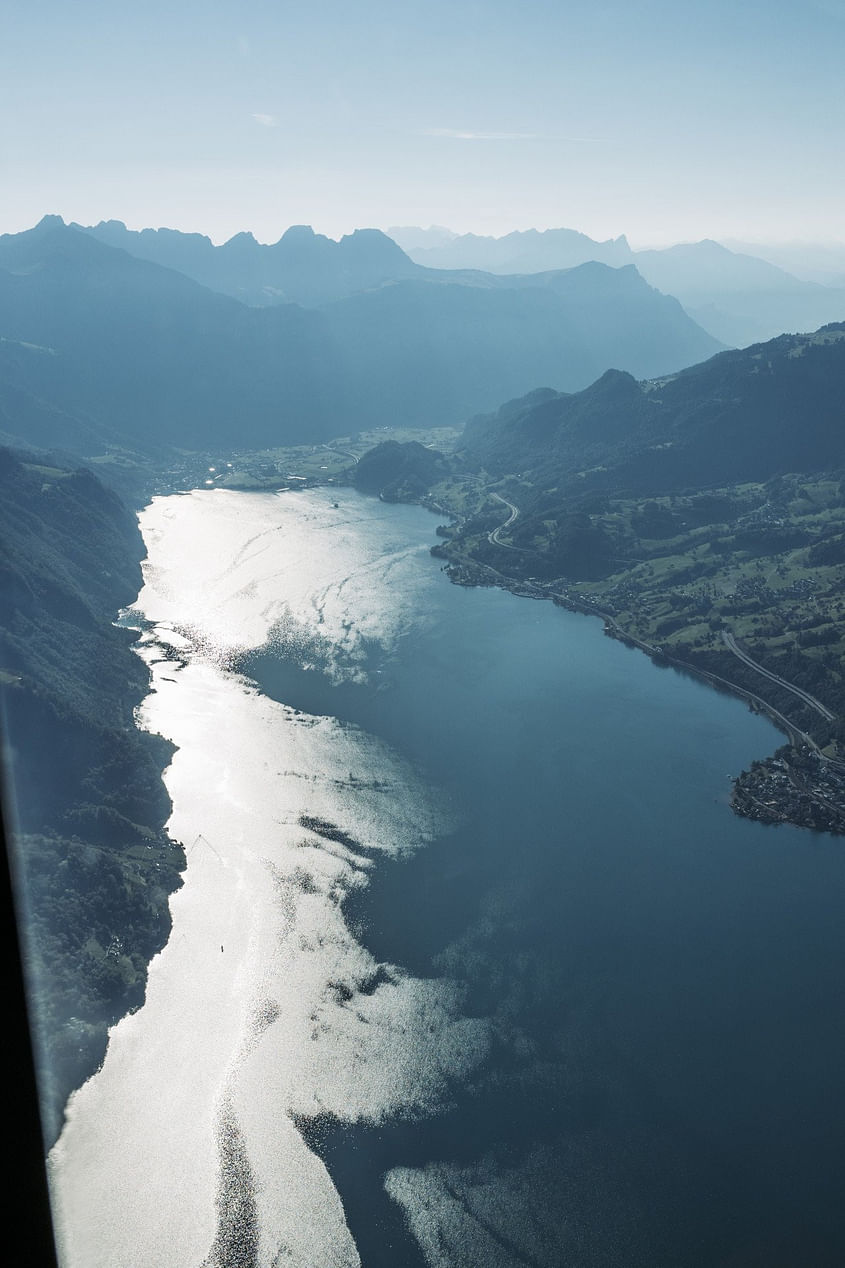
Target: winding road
(344, 452)
(732, 645)
(493, 536)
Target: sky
(668, 122)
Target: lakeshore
(759, 792)
(802, 784)
(490, 939)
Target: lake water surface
(472, 964)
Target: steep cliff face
(85, 801)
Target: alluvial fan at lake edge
(465, 904)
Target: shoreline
(780, 788)
(813, 798)
(349, 1136)
(273, 852)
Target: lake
(472, 964)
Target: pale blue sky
(666, 121)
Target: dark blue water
(665, 980)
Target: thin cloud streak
(266, 120)
(457, 134)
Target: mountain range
(736, 295)
(100, 348)
(739, 296)
(303, 267)
(748, 414)
(525, 251)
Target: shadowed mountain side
(156, 358)
(429, 353)
(150, 358)
(617, 307)
(92, 862)
(742, 415)
(579, 430)
(29, 377)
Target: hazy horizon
(668, 122)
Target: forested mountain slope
(747, 414)
(155, 358)
(88, 806)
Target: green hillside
(742, 415)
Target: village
(796, 785)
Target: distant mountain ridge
(735, 295)
(810, 261)
(523, 251)
(303, 267)
(99, 347)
